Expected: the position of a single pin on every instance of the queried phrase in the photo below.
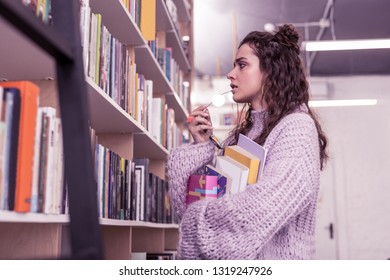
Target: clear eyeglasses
(214, 138)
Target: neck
(259, 106)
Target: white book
(100, 178)
(92, 48)
(149, 103)
(170, 128)
(157, 119)
(49, 180)
(138, 255)
(85, 19)
(237, 171)
(140, 109)
(59, 180)
(255, 149)
(140, 185)
(9, 106)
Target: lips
(233, 87)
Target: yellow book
(148, 19)
(244, 157)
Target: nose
(230, 75)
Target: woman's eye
(241, 65)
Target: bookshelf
(33, 235)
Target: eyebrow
(238, 60)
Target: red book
(28, 114)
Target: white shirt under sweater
(272, 219)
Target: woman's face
(246, 78)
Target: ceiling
(219, 25)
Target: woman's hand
(199, 124)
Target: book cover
(255, 149)
(246, 158)
(202, 187)
(224, 180)
(148, 19)
(29, 99)
(237, 171)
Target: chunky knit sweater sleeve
(272, 219)
(183, 162)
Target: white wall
(358, 173)
(355, 185)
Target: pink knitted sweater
(272, 219)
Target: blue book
(12, 99)
(168, 57)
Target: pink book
(202, 187)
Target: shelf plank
(174, 40)
(164, 23)
(118, 21)
(39, 218)
(148, 66)
(112, 222)
(146, 146)
(19, 56)
(176, 104)
(15, 217)
(152, 71)
(106, 115)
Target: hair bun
(288, 36)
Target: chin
(238, 100)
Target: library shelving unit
(51, 56)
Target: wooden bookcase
(30, 235)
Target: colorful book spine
(223, 180)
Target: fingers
(199, 117)
(200, 112)
(199, 120)
(199, 124)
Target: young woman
(275, 217)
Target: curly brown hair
(285, 86)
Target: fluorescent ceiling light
(338, 45)
(340, 103)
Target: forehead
(245, 51)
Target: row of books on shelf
(166, 255)
(111, 64)
(127, 190)
(31, 152)
(240, 165)
(32, 165)
(41, 8)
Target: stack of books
(240, 165)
